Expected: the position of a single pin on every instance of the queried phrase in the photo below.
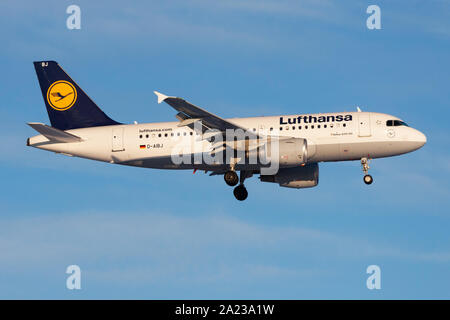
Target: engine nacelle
(306, 176)
(285, 152)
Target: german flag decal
(142, 146)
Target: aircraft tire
(240, 192)
(368, 179)
(231, 178)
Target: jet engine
(306, 176)
(285, 152)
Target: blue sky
(139, 233)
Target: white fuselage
(151, 145)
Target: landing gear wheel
(231, 178)
(240, 192)
(368, 179)
(365, 167)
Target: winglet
(161, 97)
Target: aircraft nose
(420, 139)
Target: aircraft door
(364, 124)
(117, 139)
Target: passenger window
(140, 136)
(306, 127)
(318, 126)
(146, 136)
(281, 128)
(312, 127)
(271, 128)
(300, 127)
(159, 135)
(324, 125)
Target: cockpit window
(395, 123)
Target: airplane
(282, 149)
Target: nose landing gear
(365, 167)
(368, 179)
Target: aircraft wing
(188, 114)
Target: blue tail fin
(67, 105)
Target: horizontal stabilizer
(54, 134)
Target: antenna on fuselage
(357, 108)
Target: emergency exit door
(117, 139)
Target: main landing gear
(231, 178)
(240, 192)
(365, 167)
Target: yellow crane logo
(61, 95)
